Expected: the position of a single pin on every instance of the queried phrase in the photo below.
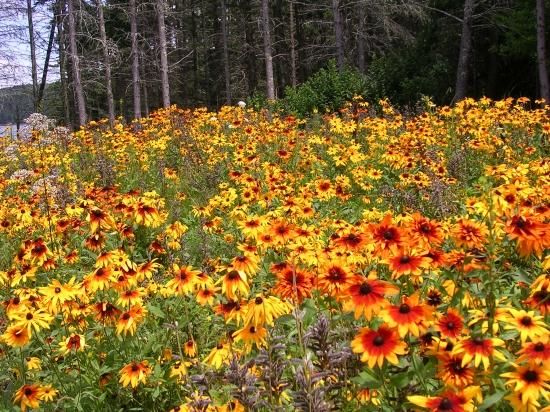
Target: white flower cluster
(21, 174)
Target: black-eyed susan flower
(528, 324)
(367, 296)
(450, 325)
(377, 346)
(449, 400)
(73, 343)
(263, 310)
(134, 373)
(16, 336)
(219, 355)
(190, 348)
(234, 283)
(184, 280)
(529, 380)
(537, 352)
(28, 396)
(479, 349)
(251, 335)
(410, 316)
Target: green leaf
(155, 310)
(491, 400)
(367, 380)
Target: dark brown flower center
(478, 341)
(526, 321)
(28, 392)
(539, 347)
(378, 341)
(29, 316)
(388, 235)
(425, 227)
(57, 290)
(445, 405)
(258, 300)
(405, 259)
(530, 376)
(404, 308)
(451, 325)
(365, 289)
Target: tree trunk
(541, 54)
(77, 81)
(361, 38)
(32, 44)
(107, 63)
(46, 67)
(463, 67)
(338, 34)
(292, 26)
(163, 54)
(268, 51)
(63, 61)
(145, 89)
(250, 50)
(226, 66)
(135, 60)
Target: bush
(326, 90)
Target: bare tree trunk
(107, 63)
(338, 34)
(135, 60)
(293, 76)
(463, 67)
(77, 81)
(250, 52)
(541, 54)
(361, 37)
(145, 89)
(268, 50)
(46, 67)
(161, 5)
(34, 68)
(63, 61)
(226, 66)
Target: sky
(15, 61)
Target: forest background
(92, 59)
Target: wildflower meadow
(240, 260)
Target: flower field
(241, 261)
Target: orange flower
(479, 350)
(376, 346)
(28, 396)
(531, 235)
(407, 263)
(408, 317)
(452, 372)
(134, 373)
(450, 325)
(537, 352)
(367, 296)
(334, 278)
(425, 232)
(292, 283)
(469, 234)
(387, 236)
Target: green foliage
(326, 90)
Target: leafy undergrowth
(238, 261)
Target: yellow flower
(134, 373)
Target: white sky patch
(15, 55)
